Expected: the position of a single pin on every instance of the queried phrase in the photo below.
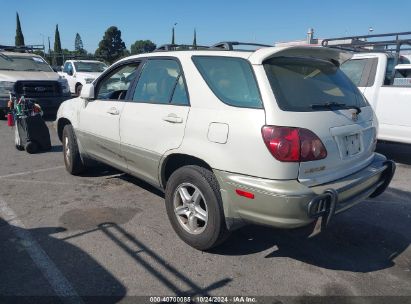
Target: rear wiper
(333, 105)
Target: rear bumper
(47, 104)
(290, 204)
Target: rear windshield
(90, 67)
(304, 84)
(23, 63)
(231, 79)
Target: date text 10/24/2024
(203, 299)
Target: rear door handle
(173, 118)
(113, 111)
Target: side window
(67, 67)
(115, 84)
(361, 71)
(161, 82)
(231, 80)
(180, 93)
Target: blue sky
(258, 20)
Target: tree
(78, 45)
(19, 41)
(57, 58)
(142, 46)
(111, 47)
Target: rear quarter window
(231, 80)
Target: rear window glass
(390, 68)
(97, 67)
(231, 80)
(402, 77)
(303, 84)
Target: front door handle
(173, 118)
(113, 111)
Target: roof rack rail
(229, 45)
(393, 42)
(179, 47)
(26, 48)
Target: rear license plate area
(352, 144)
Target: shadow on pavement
(364, 239)
(100, 170)
(400, 153)
(19, 275)
(156, 266)
(129, 243)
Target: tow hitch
(387, 176)
(323, 206)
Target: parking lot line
(56, 279)
(46, 182)
(31, 172)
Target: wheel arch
(175, 161)
(61, 123)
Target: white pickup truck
(81, 72)
(389, 96)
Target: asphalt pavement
(106, 234)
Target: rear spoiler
(335, 56)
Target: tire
(198, 183)
(20, 148)
(78, 89)
(72, 160)
(31, 147)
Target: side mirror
(70, 72)
(87, 92)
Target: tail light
(293, 144)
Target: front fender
(69, 110)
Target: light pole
(370, 30)
(44, 48)
(173, 34)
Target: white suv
(276, 136)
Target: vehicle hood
(27, 75)
(259, 56)
(88, 74)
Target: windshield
(23, 63)
(300, 83)
(90, 66)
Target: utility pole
(173, 41)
